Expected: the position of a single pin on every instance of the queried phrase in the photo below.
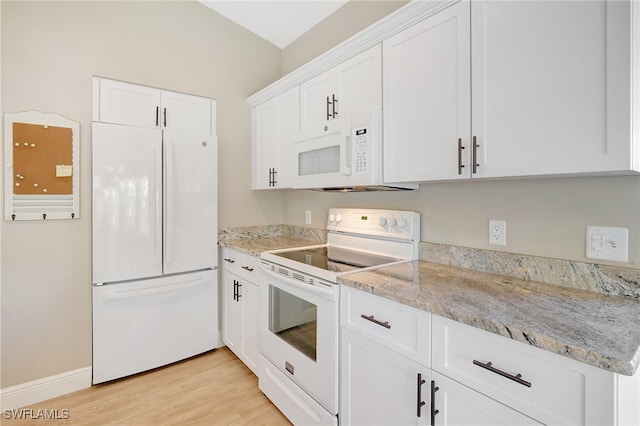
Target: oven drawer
(548, 387)
(240, 264)
(401, 328)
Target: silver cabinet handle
(420, 402)
(375, 321)
(517, 378)
(475, 155)
(434, 389)
(333, 105)
(460, 148)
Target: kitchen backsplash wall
(568, 273)
(605, 279)
(545, 217)
(252, 232)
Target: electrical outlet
(307, 217)
(498, 232)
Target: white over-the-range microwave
(341, 157)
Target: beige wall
(348, 20)
(50, 50)
(545, 217)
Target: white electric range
(299, 324)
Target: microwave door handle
(346, 170)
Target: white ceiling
(278, 21)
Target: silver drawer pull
(375, 321)
(517, 378)
(229, 260)
(247, 268)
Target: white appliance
(298, 306)
(342, 158)
(154, 248)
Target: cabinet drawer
(240, 264)
(401, 328)
(550, 388)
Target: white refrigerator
(154, 286)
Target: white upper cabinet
(274, 125)
(551, 87)
(186, 113)
(543, 89)
(427, 91)
(126, 103)
(350, 91)
(142, 106)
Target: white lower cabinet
(550, 388)
(240, 306)
(381, 387)
(457, 404)
(385, 375)
(403, 366)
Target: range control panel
(389, 223)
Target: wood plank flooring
(215, 388)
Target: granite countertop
(597, 329)
(255, 246)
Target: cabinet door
(551, 87)
(249, 298)
(274, 125)
(380, 387)
(264, 132)
(351, 91)
(187, 113)
(315, 95)
(459, 405)
(426, 85)
(191, 201)
(358, 87)
(130, 104)
(231, 313)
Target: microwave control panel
(361, 147)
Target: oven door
(299, 333)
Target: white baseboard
(46, 388)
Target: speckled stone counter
(595, 328)
(253, 240)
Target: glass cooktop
(336, 259)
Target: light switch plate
(607, 243)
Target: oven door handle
(320, 289)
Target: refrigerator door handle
(168, 202)
(158, 207)
(128, 294)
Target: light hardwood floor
(211, 389)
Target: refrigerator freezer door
(145, 324)
(127, 202)
(191, 199)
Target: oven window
(293, 320)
